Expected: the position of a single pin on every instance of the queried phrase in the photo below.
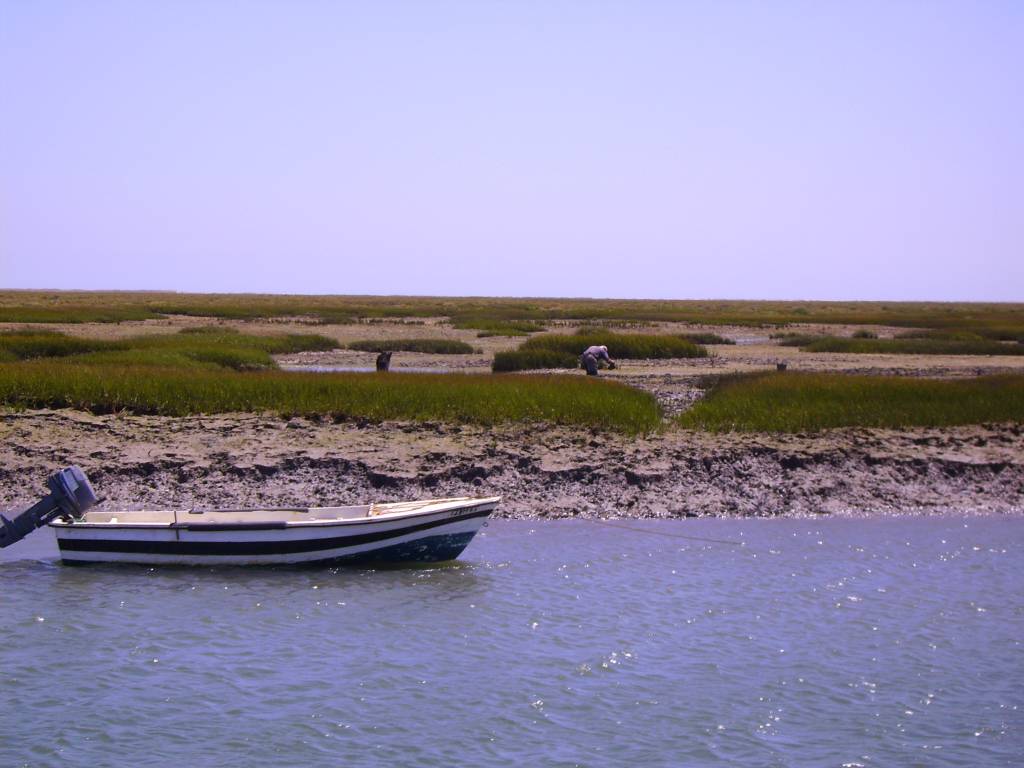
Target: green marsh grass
(554, 350)
(944, 335)
(212, 370)
(913, 346)
(626, 346)
(225, 348)
(791, 339)
(208, 330)
(533, 360)
(947, 334)
(25, 345)
(1003, 333)
(477, 399)
(1005, 321)
(796, 402)
(60, 313)
(432, 346)
(490, 327)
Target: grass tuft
(219, 347)
(788, 339)
(478, 399)
(25, 345)
(490, 327)
(632, 346)
(92, 313)
(532, 360)
(208, 330)
(795, 402)
(432, 346)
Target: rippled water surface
(814, 643)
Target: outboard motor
(70, 495)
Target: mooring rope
(663, 533)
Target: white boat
(405, 532)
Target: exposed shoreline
(245, 460)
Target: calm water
(816, 643)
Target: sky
(777, 150)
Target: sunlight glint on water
(871, 642)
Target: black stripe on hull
(236, 548)
(432, 549)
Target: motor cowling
(71, 495)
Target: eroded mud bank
(251, 460)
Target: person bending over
(592, 358)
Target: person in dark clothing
(384, 361)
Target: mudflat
(247, 460)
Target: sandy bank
(253, 460)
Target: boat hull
(430, 537)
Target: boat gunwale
(432, 507)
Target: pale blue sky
(823, 150)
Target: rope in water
(663, 533)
